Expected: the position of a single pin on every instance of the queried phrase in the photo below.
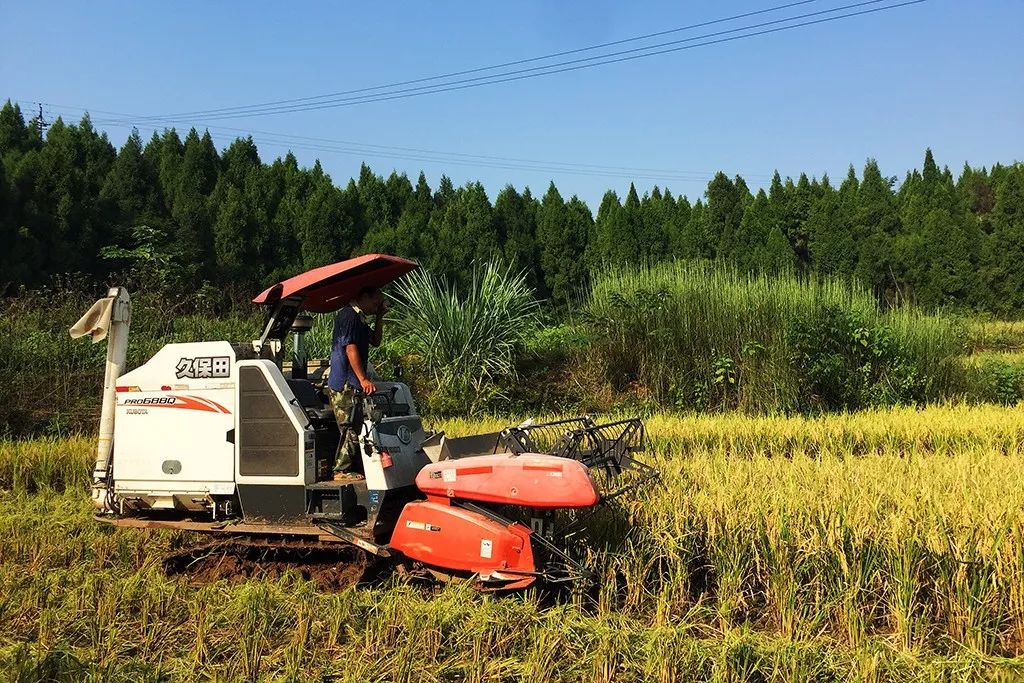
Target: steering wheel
(373, 409)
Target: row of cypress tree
(69, 200)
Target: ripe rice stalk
(883, 544)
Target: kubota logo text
(203, 367)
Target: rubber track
(331, 566)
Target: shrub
(703, 335)
(995, 377)
(466, 343)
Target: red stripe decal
(543, 468)
(189, 403)
(475, 470)
(210, 402)
(222, 408)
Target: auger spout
(109, 318)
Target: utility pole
(41, 125)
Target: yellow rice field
(878, 545)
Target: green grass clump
(703, 335)
(466, 342)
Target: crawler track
(332, 566)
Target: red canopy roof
(328, 288)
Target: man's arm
(354, 362)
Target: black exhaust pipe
(302, 324)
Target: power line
(442, 157)
(575, 65)
(525, 164)
(499, 162)
(493, 165)
(492, 67)
(502, 77)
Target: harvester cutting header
(215, 437)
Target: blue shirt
(349, 328)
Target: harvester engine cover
(531, 480)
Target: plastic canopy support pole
(117, 347)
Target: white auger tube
(108, 318)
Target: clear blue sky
(945, 74)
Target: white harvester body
(194, 424)
(217, 428)
(171, 428)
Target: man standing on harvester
(348, 378)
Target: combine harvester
(214, 437)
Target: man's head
(370, 300)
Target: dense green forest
(71, 202)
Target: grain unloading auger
(214, 437)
